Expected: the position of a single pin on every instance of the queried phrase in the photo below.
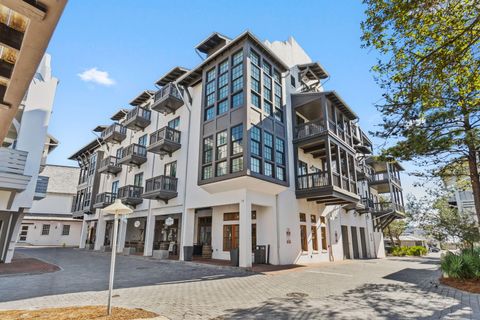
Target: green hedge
(409, 251)
(464, 265)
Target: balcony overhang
(164, 147)
(167, 104)
(111, 168)
(160, 194)
(313, 71)
(328, 195)
(143, 97)
(133, 160)
(119, 115)
(137, 122)
(171, 76)
(244, 182)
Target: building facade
(246, 154)
(49, 221)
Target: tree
(442, 221)
(395, 230)
(428, 70)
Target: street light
(117, 209)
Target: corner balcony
(133, 155)
(116, 133)
(326, 189)
(308, 132)
(381, 181)
(384, 213)
(364, 172)
(167, 100)
(130, 195)
(41, 188)
(164, 141)
(161, 188)
(137, 119)
(104, 199)
(109, 165)
(12, 167)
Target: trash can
(260, 254)
(234, 256)
(187, 253)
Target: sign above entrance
(169, 221)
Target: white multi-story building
(49, 221)
(25, 106)
(245, 151)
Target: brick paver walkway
(394, 288)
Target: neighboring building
(243, 151)
(25, 105)
(49, 222)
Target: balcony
(116, 133)
(130, 195)
(161, 188)
(109, 165)
(104, 199)
(309, 130)
(318, 187)
(41, 188)
(12, 166)
(165, 141)
(137, 119)
(380, 181)
(364, 172)
(133, 155)
(167, 100)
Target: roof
(89, 148)
(119, 114)
(100, 128)
(342, 105)
(48, 218)
(51, 142)
(211, 42)
(315, 71)
(171, 76)
(411, 238)
(195, 74)
(142, 97)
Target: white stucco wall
(55, 237)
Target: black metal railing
(312, 180)
(140, 112)
(105, 197)
(134, 149)
(161, 183)
(130, 191)
(167, 90)
(165, 133)
(309, 129)
(109, 161)
(387, 206)
(116, 127)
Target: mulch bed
(23, 264)
(468, 285)
(77, 313)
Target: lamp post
(117, 209)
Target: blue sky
(135, 42)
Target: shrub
(409, 251)
(465, 265)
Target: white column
(149, 231)
(100, 233)
(245, 233)
(188, 228)
(13, 240)
(83, 234)
(122, 233)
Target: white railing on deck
(12, 161)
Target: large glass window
(280, 173)
(138, 179)
(237, 100)
(255, 165)
(237, 139)
(279, 151)
(175, 123)
(221, 168)
(207, 149)
(209, 113)
(255, 100)
(221, 145)
(45, 229)
(256, 138)
(237, 58)
(254, 57)
(268, 169)
(143, 140)
(268, 146)
(267, 106)
(207, 172)
(171, 169)
(230, 237)
(223, 106)
(237, 164)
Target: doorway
(356, 253)
(166, 235)
(345, 243)
(363, 241)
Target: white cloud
(96, 76)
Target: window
(267, 68)
(280, 173)
(221, 145)
(207, 172)
(237, 164)
(222, 106)
(207, 149)
(255, 100)
(323, 230)
(115, 187)
(223, 67)
(175, 123)
(302, 168)
(268, 146)
(254, 57)
(210, 88)
(45, 230)
(313, 218)
(303, 237)
(237, 58)
(237, 139)
(237, 100)
(231, 216)
(230, 237)
(292, 81)
(171, 169)
(303, 217)
(267, 87)
(23, 232)
(268, 169)
(223, 86)
(65, 230)
(255, 165)
(138, 179)
(255, 136)
(237, 72)
(279, 114)
(221, 168)
(211, 74)
(119, 153)
(267, 106)
(143, 140)
(313, 229)
(209, 113)
(237, 84)
(277, 77)
(279, 151)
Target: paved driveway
(395, 288)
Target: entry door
(346, 244)
(205, 230)
(363, 241)
(356, 252)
